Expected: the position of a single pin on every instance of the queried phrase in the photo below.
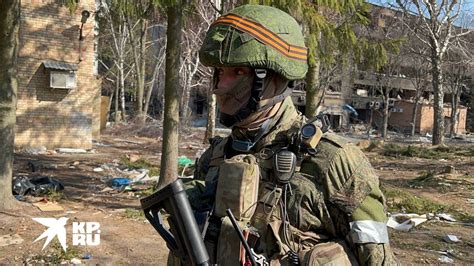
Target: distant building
(361, 89)
(58, 93)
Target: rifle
(183, 238)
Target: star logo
(56, 227)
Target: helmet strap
(247, 145)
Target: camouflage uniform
(334, 190)
(332, 212)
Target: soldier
(301, 196)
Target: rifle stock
(183, 238)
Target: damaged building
(356, 95)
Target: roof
(59, 65)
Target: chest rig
(255, 186)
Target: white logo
(56, 228)
(83, 233)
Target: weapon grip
(185, 239)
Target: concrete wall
(55, 117)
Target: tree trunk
(9, 25)
(313, 92)
(169, 157)
(211, 116)
(385, 116)
(438, 126)
(117, 98)
(142, 77)
(122, 92)
(454, 113)
(139, 59)
(413, 118)
(211, 98)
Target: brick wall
(424, 119)
(46, 116)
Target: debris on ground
(184, 161)
(451, 238)
(445, 259)
(450, 169)
(446, 217)
(37, 186)
(48, 206)
(36, 166)
(119, 182)
(7, 240)
(35, 150)
(405, 222)
(71, 150)
(76, 261)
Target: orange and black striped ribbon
(264, 35)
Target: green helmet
(258, 37)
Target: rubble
(451, 239)
(71, 150)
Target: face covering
(235, 95)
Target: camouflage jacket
(335, 195)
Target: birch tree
(435, 28)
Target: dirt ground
(127, 238)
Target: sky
(467, 12)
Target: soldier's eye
(240, 71)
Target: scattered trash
(7, 240)
(35, 150)
(445, 259)
(76, 261)
(428, 135)
(451, 238)
(404, 222)
(20, 198)
(133, 157)
(71, 150)
(48, 206)
(36, 166)
(39, 186)
(471, 201)
(450, 169)
(184, 161)
(107, 189)
(447, 217)
(424, 139)
(87, 256)
(119, 182)
(98, 169)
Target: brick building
(58, 92)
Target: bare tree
(455, 79)
(435, 27)
(194, 74)
(419, 80)
(118, 38)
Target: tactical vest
(269, 212)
